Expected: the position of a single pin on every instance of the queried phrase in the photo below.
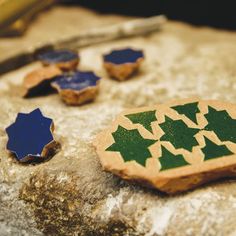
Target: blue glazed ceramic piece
(122, 64)
(56, 56)
(77, 88)
(63, 59)
(77, 81)
(123, 56)
(30, 137)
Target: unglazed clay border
(28, 85)
(114, 70)
(65, 66)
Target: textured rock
(70, 194)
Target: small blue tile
(123, 56)
(29, 135)
(57, 56)
(77, 81)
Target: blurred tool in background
(15, 15)
(216, 13)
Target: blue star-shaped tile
(123, 56)
(77, 88)
(121, 64)
(64, 59)
(30, 137)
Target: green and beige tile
(172, 147)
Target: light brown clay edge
(73, 97)
(124, 71)
(65, 66)
(27, 86)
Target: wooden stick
(91, 37)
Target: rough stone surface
(70, 194)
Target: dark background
(220, 14)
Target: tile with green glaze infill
(163, 163)
(170, 161)
(179, 134)
(222, 124)
(190, 110)
(143, 118)
(131, 145)
(212, 150)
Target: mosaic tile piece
(64, 59)
(38, 82)
(212, 150)
(168, 150)
(143, 118)
(190, 110)
(123, 63)
(77, 88)
(170, 161)
(30, 137)
(222, 124)
(131, 145)
(178, 134)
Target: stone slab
(71, 194)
